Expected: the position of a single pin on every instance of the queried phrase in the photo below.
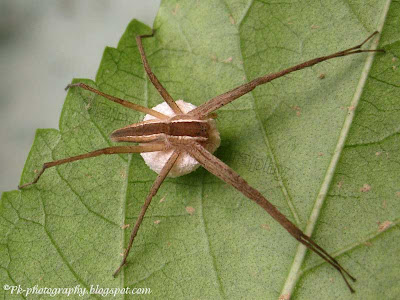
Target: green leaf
(324, 151)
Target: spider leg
(224, 172)
(157, 84)
(156, 185)
(215, 103)
(108, 150)
(125, 103)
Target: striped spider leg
(190, 133)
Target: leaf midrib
(298, 260)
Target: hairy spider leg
(109, 150)
(225, 173)
(125, 103)
(156, 185)
(217, 102)
(157, 84)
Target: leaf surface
(284, 138)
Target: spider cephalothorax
(173, 131)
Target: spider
(176, 137)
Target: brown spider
(193, 134)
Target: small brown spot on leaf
(368, 244)
(213, 57)
(163, 198)
(125, 226)
(322, 76)
(314, 26)
(340, 184)
(365, 188)
(266, 227)
(320, 154)
(398, 194)
(378, 153)
(190, 210)
(351, 108)
(157, 222)
(297, 109)
(384, 204)
(175, 10)
(228, 60)
(394, 59)
(384, 225)
(35, 171)
(232, 20)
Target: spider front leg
(156, 185)
(125, 103)
(108, 150)
(157, 84)
(215, 103)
